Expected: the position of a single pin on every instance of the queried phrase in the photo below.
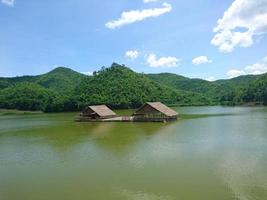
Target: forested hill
(52, 91)
(119, 87)
(61, 80)
(218, 91)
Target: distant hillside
(63, 89)
(254, 90)
(213, 90)
(6, 82)
(182, 83)
(62, 80)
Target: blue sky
(158, 36)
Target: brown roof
(162, 108)
(102, 110)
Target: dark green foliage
(25, 96)
(6, 82)
(31, 96)
(180, 82)
(256, 91)
(61, 80)
(227, 92)
(50, 92)
(198, 86)
(3, 84)
(119, 87)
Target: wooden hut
(97, 113)
(155, 112)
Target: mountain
(212, 90)
(120, 87)
(62, 80)
(182, 83)
(254, 91)
(63, 89)
(50, 92)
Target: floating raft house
(149, 112)
(96, 113)
(155, 112)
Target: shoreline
(27, 112)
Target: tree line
(119, 87)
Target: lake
(211, 153)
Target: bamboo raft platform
(113, 119)
(125, 119)
(149, 112)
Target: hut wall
(87, 112)
(90, 114)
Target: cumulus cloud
(241, 22)
(132, 54)
(210, 78)
(169, 61)
(254, 69)
(8, 2)
(235, 73)
(201, 60)
(88, 73)
(257, 68)
(133, 16)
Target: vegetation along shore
(63, 89)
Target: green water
(212, 153)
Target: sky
(208, 39)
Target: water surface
(212, 153)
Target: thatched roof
(160, 107)
(102, 110)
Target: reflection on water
(211, 153)
(139, 195)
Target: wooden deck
(112, 119)
(125, 119)
(119, 119)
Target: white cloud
(132, 16)
(242, 21)
(201, 60)
(169, 61)
(132, 54)
(8, 2)
(210, 78)
(150, 1)
(255, 69)
(235, 73)
(88, 73)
